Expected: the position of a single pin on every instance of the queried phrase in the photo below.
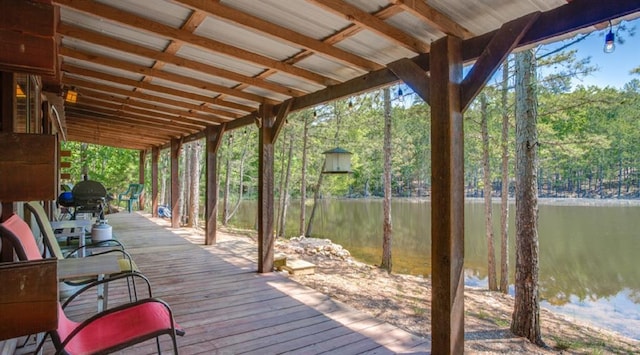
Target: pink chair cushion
(115, 328)
(21, 229)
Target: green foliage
(587, 138)
(113, 167)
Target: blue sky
(613, 68)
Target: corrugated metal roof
(208, 62)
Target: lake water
(589, 254)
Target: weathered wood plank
(225, 306)
(447, 212)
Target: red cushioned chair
(107, 331)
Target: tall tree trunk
(619, 175)
(303, 177)
(285, 191)
(316, 197)
(526, 314)
(194, 199)
(386, 204)
(227, 182)
(233, 211)
(504, 205)
(163, 180)
(182, 182)
(486, 171)
(281, 195)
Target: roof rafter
(143, 24)
(184, 114)
(154, 116)
(110, 89)
(189, 81)
(214, 8)
(125, 117)
(434, 17)
(372, 23)
(146, 86)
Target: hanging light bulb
(610, 41)
(400, 94)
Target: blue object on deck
(66, 199)
(164, 211)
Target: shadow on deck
(226, 307)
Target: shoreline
(405, 301)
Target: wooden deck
(226, 307)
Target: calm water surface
(589, 255)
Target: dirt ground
(405, 301)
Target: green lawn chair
(131, 195)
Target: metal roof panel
(109, 28)
(219, 60)
(242, 38)
(300, 16)
(163, 11)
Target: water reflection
(588, 254)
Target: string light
(610, 40)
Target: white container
(101, 231)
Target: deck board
(226, 307)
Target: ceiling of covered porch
(149, 71)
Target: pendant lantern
(337, 161)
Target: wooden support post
(502, 43)
(266, 236)
(213, 136)
(143, 155)
(7, 112)
(269, 128)
(176, 145)
(155, 156)
(412, 75)
(447, 201)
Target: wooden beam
(575, 15)
(591, 11)
(220, 116)
(109, 124)
(28, 167)
(182, 123)
(184, 115)
(266, 237)
(143, 123)
(447, 200)
(213, 136)
(176, 146)
(28, 45)
(412, 75)
(155, 157)
(256, 24)
(146, 25)
(106, 140)
(180, 79)
(434, 18)
(372, 23)
(281, 118)
(147, 86)
(502, 43)
(90, 128)
(170, 58)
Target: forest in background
(588, 145)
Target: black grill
(89, 197)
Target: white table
(90, 267)
(79, 227)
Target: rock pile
(316, 247)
